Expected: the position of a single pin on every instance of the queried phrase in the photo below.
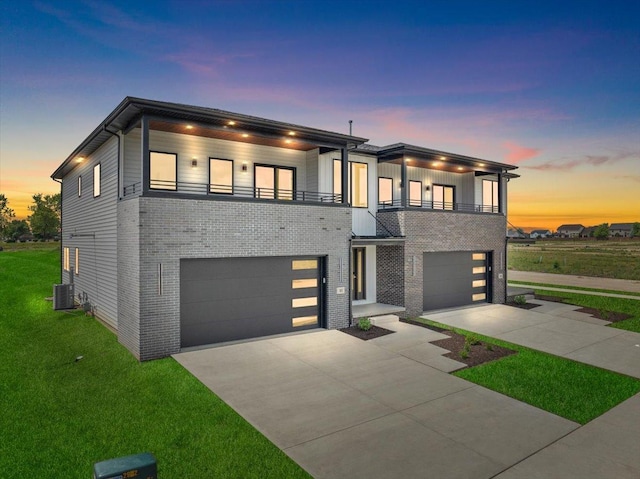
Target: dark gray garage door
(236, 298)
(455, 279)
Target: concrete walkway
(385, 408)
(554, 328)
(580, 281)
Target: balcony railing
(222, 191)
(440, 205)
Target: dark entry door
(226, 299)
(358, 272)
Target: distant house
(588, 232)
(513, 233)
(535, 234)
(622, 230)
(570, 231)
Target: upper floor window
(444, 197)
(358, 183)
(220, 176)
(415, 193)
(163, 171)
(490, 196)
(96, 180)
(272, 181)
(385, 191)
(79, 186)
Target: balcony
(439, 205)
(222, 192)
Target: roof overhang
(441, 160)
(210, 122)
(377, 241)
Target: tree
(16, 229)
(45, 220)
(601, 232)
(635, 230)
(6, 214)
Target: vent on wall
(63, 296)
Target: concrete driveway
(345, 408)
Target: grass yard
(605, 259)
(573, 390)
(60, 416)
(602, 303)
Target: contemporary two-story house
(185, 226)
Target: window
(65, 259)
(163, 171)
(77, 261)
(357, 180)
(79, 186)
(385, 191)
(359, 185)
(96, 180)
(304, 321)
(490, 196)
(337, 180)
(415, 193)
(304, 302)
(274, 182)
(443, 197)
(220, 176)
(298, 264)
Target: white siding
(90, 224)
(464, 182)
(190, 147)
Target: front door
(358, 273)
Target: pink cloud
(518, 153)
(590, 160)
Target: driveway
(344, 408)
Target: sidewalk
(514, 287)
(580, 281)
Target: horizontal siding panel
(93, 224)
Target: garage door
(237, 298)
(455, 279)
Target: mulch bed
(611, 316)
(478, 353)
(374, 332)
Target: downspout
(349, 281)
(61, 237)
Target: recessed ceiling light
(189, 127)
(245, 135)
(287, 141)
(435, 163)
(231, 122)
(292, 133)
(80, 159)
(443, 158)
(480, 164)
(460, 168)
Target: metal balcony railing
(440, 205)
(215, 190)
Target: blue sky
(553, 87)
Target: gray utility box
(138, 466)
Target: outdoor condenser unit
(63, 296)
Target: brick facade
(167, 229)
(441, 231)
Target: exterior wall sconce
(194, 163)
(244, 167)
(427, 188)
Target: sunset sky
(552, 87)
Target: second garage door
(226, 299)
(455, 279)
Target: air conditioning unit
(63, 296)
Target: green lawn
(603, 303)
(573, 390)
(58, 416)
(605, 259)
